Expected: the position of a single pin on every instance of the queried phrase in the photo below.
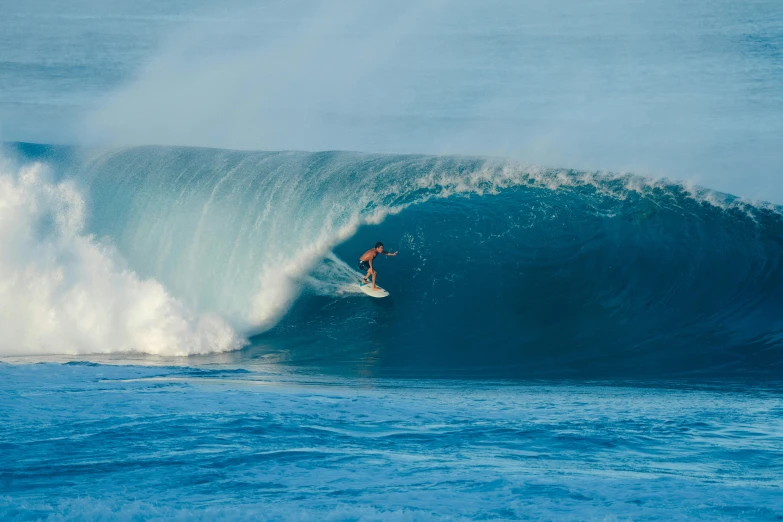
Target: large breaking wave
(500, 265)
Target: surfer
(365, 262)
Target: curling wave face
(501, 264)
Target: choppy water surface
(86, 441)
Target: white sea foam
(63, 292)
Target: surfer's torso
(369, 255)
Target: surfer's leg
(374, 273)
(364, 265)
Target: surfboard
(367, 289)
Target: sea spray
(63, 292)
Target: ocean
(585, 311)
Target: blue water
(585, 312)
(130, 442)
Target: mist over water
(680, 91)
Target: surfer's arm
(390, 254)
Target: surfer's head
(379, 246)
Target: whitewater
(585, 312)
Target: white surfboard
(367, 289)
